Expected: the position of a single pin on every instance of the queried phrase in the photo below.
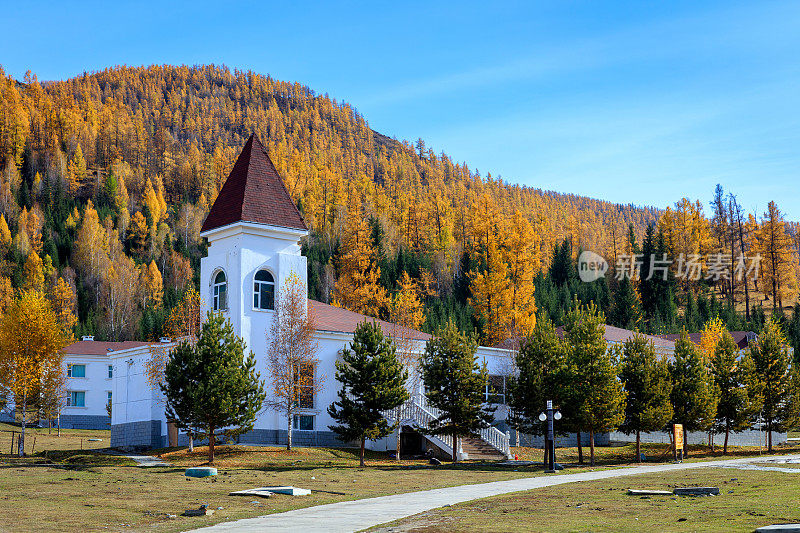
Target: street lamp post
(549, 415)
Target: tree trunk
(638, 446)
(580, 447)
(725, 444)
(211, 441)
(769, 435)
(289, 432)
(21, 439)
(685, 443)
(399, 434)
(591, 447)
(58, 433)
(455, 448)
(361, 453)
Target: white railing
(417, 410)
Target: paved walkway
(356, 515)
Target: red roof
(741, 338)
(100, 347)
(254, 192)
(329, 318)
(612, 334)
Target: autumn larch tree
(694, 395)
(358, 288)
(648, 386)
(31, 348)
(373, 381)
(778, 255)
(455, 384)
(212, 384)
(292, 355)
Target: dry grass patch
(748, 500)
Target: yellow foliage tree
(6, 294)
(33, 272)
(712, 333)
(357, 288)
(5, 235)
(778, 255)
(76, 171)
(153, 284)
(63, 300)
(31, 346)
(291, 358)
(523, 263)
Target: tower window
(220, 291)
(264, 290)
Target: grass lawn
(90, 491)
(747, 500)
(69, 485)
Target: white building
(254, 232)
(90, 372)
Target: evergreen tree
(212, 384)
(539, 362)
(694, 395)
(626, 310)
(771, 363)
(373, 381)
(561, 266)
(793, 333)
(600, 396)
(738, 403)
(455, 385)
(648, 385)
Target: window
(76, 398)
(109, 396)
(495, 389)
(76, 371)
(303, 422)
(263, 290)
(220, 291)
(110, 371)
(304, 378)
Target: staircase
(480, 450)
(492, 444)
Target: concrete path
(147, 460)
(345, 517)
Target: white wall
(96, 384)
(134, 400)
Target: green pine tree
(771, 362)
(648, 385)
(455, 385)
(626, 310)
(373, 381)
(694, 395)
(738, 403)
(212, 384)
(600, 396)
(539, 362)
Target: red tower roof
(254, 192)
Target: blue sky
(640, 102)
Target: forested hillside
(106, 178)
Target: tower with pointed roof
(253, 231)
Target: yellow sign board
(677, 430)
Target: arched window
(264, 290)
(220, 291)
